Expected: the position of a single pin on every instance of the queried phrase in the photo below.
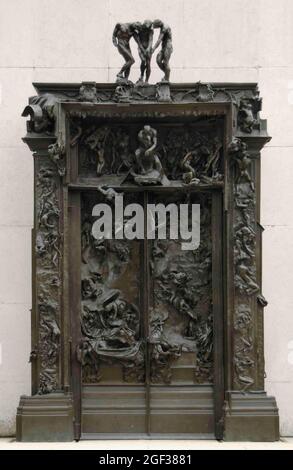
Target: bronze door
(147, 325)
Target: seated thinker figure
(148, 169)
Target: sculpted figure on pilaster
(247, 289)
(48, 263)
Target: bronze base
(251, 417)
(45, 418)
(49, 418)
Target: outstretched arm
(160, 38)
(149, 48)
(137, 40)
(151, 149)
(114, 36)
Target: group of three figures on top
(143, 34)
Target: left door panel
(111, 347)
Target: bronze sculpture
(238, 150)
(189, 176)
(148, 169)
(144, 39)
(143, 35)
(163, 57)
(122, 34)
(96, 141)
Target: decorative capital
(248, 114)
(41, 110)
(88, 92)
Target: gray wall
(214, 40)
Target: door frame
(218, 312)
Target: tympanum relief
(151, 155)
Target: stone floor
(283, 444)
